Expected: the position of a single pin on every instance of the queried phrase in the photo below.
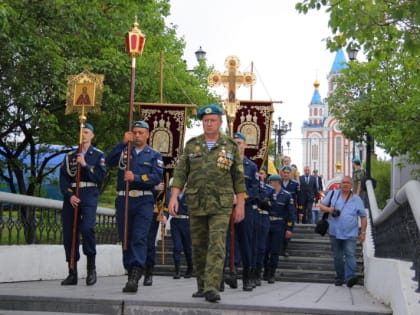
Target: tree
(42, 42)
(378, 97)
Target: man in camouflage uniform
(213, 170)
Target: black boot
(252, 278)
(177, 274)
(284, 251)
(148, 277)
(271, 277)
(134, 275)
(71, 278)
(266, 273)
(189, 273)
(91, 270)
(231, 280)
(200, 289)
(257, 275)
(245, 280)
(222, 286)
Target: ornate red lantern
(134, 40)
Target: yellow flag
(271, 169)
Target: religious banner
(167, 126)
(254, 119)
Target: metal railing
(33, 220)
(396, 229)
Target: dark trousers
(275, 240)
(140, 214)
(151, 242)
(307, 204)
(181, 237)
(263, 229)
(255, 237)
(244, 232)
(85, 226)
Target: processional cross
(231, 79)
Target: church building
(324, 146)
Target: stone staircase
(310, 258)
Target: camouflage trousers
(208, 237)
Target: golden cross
(231, 79)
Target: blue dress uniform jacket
(282, 216)
(263, 222)
(147, 167)
(244, 231)
(90, 177)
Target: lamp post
(280, 130)
(134, 44)
(288, 147)
(352, 53)
(200, 54)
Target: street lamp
(200, 54)
(352, 52)
(288, 146)
(280, 130)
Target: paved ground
(168, 296)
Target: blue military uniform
(282, 216)
(91, 176)
(181, 237)
(147, 167)
(292, 187)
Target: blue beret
(286, 168)
(210, 109)
(88, 126)
(274, 177)
(140, 124)
(356, 161)
(239, 135)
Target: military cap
(239, 135)
(356, 161)
(140, 124)
(286, 168)
(274, 177)
(210, 109)
(88, 126)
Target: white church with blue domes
(324, 146)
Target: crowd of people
(215, 190)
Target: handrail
(410, 192)
(25, 200)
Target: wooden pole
(82, 119)
(129, 145)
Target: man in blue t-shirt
(345, 208)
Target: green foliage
(42, 42)
(381, 172)
(379, 97)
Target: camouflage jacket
(212, 176)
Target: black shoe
(177, 274)
(246, 283)
(257, 275)
(199, 294)
(353, 281)
(148, 277)
(266, 273)
(134, 276)
(189, 273)
(91, 277)
(212, 296)
(272, 276)
(71, 278)
(231, 280)
(339, 283)
(91, 270)
(222, 286)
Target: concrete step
(168, 296)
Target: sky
(288, 50)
